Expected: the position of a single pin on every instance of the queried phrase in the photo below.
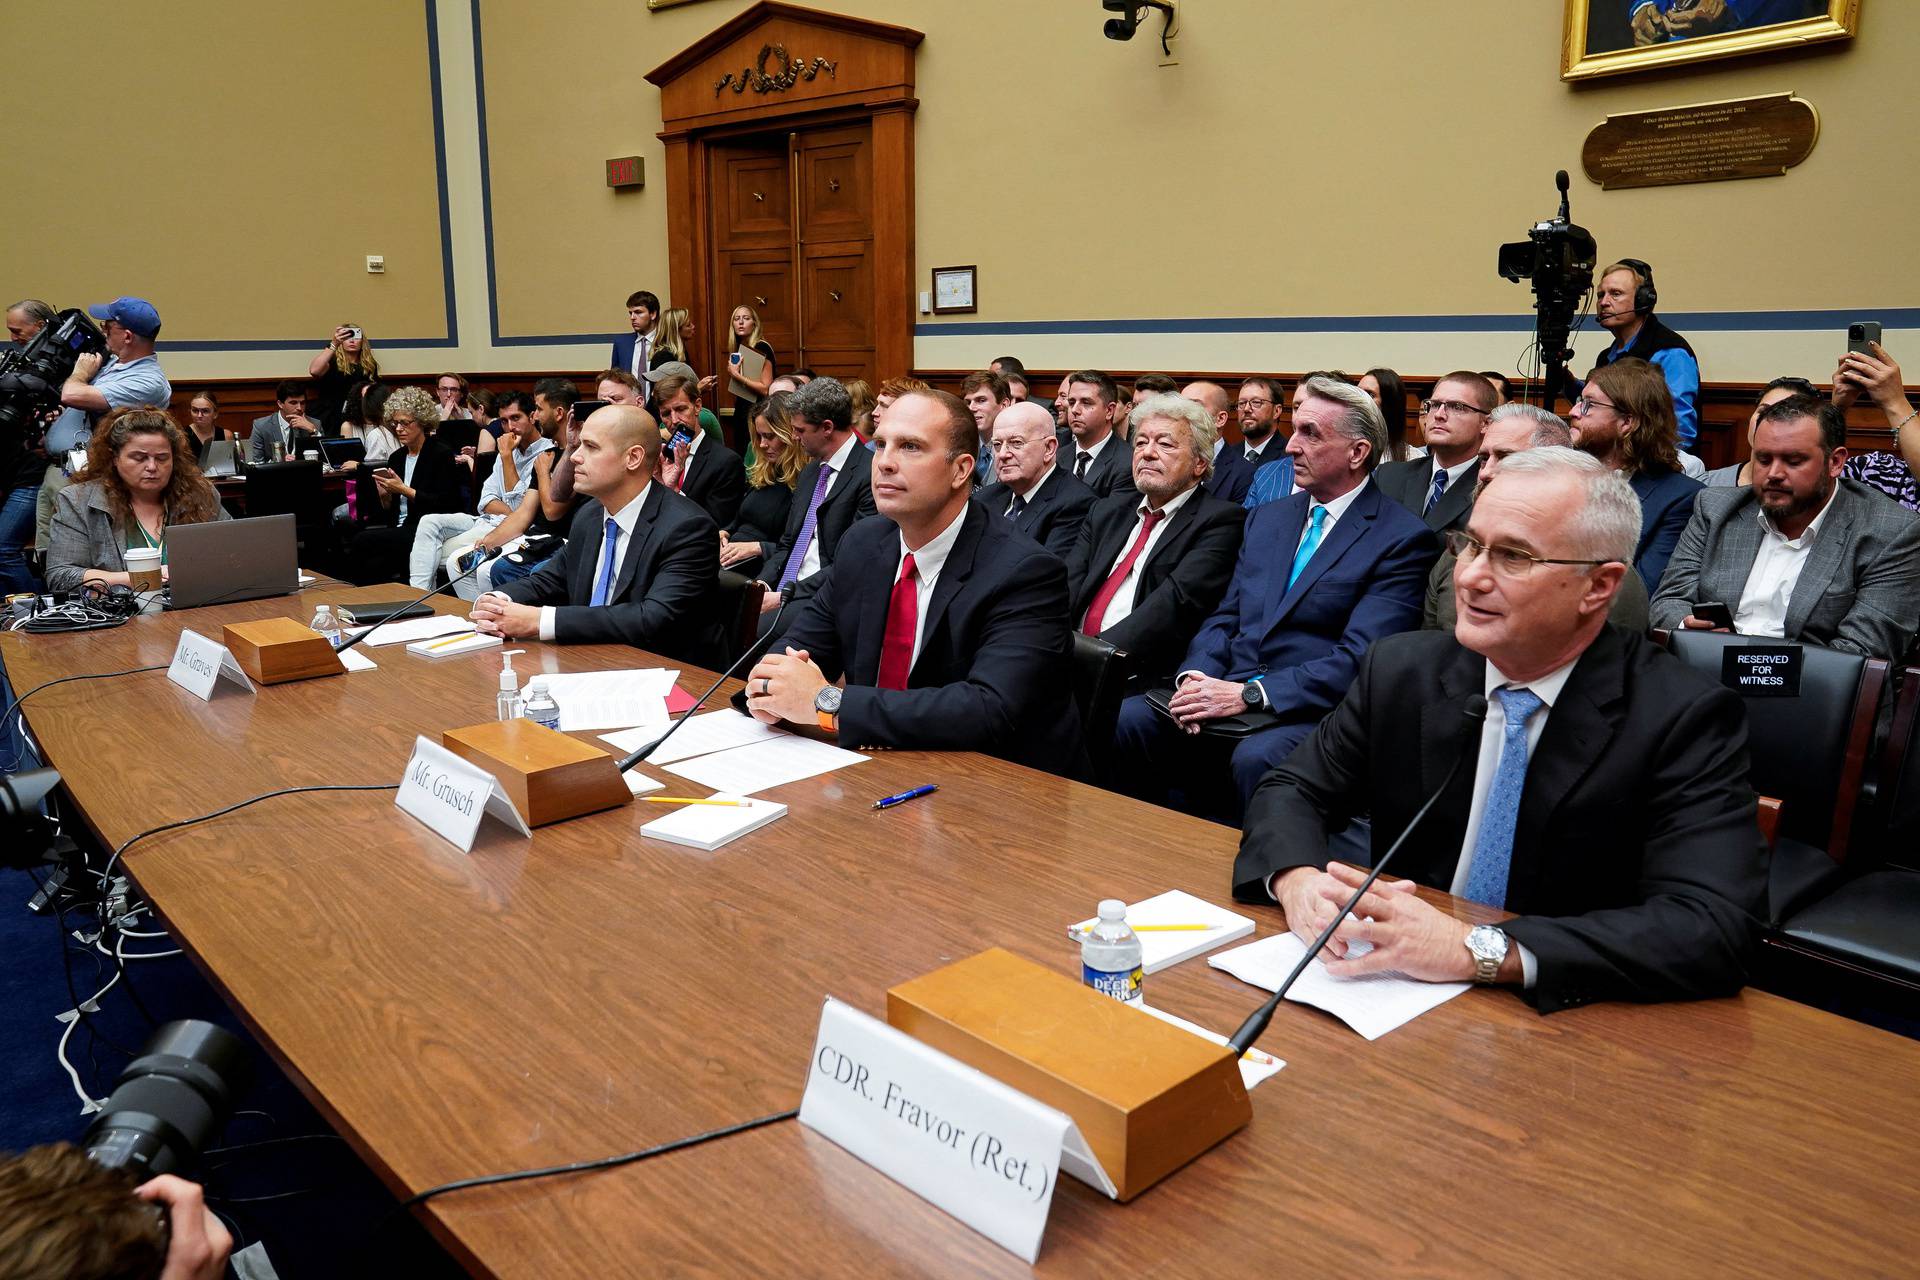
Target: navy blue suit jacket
(1666, 504)
(995, 671)
(1368, 579)
(1053, 514)
(1232, 474)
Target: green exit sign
(626, 171)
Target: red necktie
(903, 613)
(1097, 611)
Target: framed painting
(1611, 37)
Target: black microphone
(1475, 712)
(754, 650)
(470, 571)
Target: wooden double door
(793, 237)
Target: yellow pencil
(441, 644)
(731, 804)
(1254, 1055)
(1159, 928)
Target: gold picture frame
(1602, 36)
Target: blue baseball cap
(136, 314)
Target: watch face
(828, 700)
(1487, 943)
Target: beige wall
(1359, 159)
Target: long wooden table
(590, 991)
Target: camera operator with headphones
(131, 377)
(1623, 304)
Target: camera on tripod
(31, 376)
(1559, 258)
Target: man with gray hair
(1030, 490)
(1515, 428)
(1321, 576)
(1605, 801)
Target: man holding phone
(695, 462)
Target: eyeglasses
(1587, 404)
(1451, 406)
(1508, 562)
(1254, 403)
(1012, 444)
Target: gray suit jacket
(266, 430)
(84, 536)
(1859, 590)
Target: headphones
(1645, 296)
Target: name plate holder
(451, 796)
(965, 1142)
(200, 664)
(277, 650)
(1149, 1096)
(549, 776)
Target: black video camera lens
(170, 1100)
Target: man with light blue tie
(640, 562)
(1607, 803)
(1321, 576)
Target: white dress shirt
(927, 563)
(1335, 509)
(1122, 603)
(1454, 473)
(1093, 452)
(810, 563)
(1775, 573)
(626, 518)
(1031, 489)
(1256, 453)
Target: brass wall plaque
(1707, 142)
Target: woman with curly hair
(417, 479)
(140, 478)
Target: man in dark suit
(702, 468)
(1605, 798)
(639, 564)
(1094, 415)
(1624, 417)
(1031, 492)
(1258, 408)
(1800, 553)
(985, 393)
(1321, 576)
(633, 350)
(1439, 487)
(831, 494)
(1146, 571)
(949, 628)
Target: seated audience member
(363, 423)
(1227, 457)
(777, 463)
(64, 1215)
(985, 395)
(417, 480)
(1741, 473)
(139, 479)
(1800, 553)
(831, 494)
(1234, 465)
(1516, 428)
(1274, 480)
(1030, 491)
(702, 467)
(1019, 381)
(1439, 487)
(203, 426)
(448, 536)
(1878, 377)
(1148, 385)
(1020, 389)
(536, 530)
(1501, 384)
(1384, 388)
(1320, 577)
(802, 376)
(1146, 570)
(1605, 798)
(287, 430)
(681, 369)
(786, 382)
(890, 390)
(860, 400)
(1624, 417)
(639, 564)
(1060, 414)
(949, 628)
(1099, 459)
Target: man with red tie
(1149, 567)
(697, 464)
(949, 628)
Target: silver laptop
(220, 561)
(221, 459)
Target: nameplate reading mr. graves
(983, 1152)
(200, 664)
(451, 795)
(1770, 671)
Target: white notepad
(612, 699)
(440, 624)
(448, 647)
(760, 765)
(708, 826)
(1159, 950)
(700, 736)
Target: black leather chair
(737, 598)
(1101, 674)
(1809, 752)
(295, 489)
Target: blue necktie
(1493, 846)
(1316, 529)
(1439, 487)
(610, 547)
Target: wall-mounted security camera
(1133, 13)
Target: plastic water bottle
(327, 623)
(1110, 956)
(540, 706)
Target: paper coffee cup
(143, 568)
(311, 455)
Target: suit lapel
(1286, 545)
(636, 546)
(1105, 552)
(1579, 729)
(589, 561)
(876, 584)
(1167, 551)
(1454, 502)
(695, 470)
(1443, 736)
(1724, 572)
(1031, 512)
(1834, 544)
(1346, 531)
(953, 575)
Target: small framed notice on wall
(953, 290)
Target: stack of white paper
(775, 762)
(700, 736)
(440, 624)
(708, 826)
(1372, 1005)
(451, 646)
(1161, 947)
(611, 699)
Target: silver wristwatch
(827, 701)
(1488, 946)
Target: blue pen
(905, 796)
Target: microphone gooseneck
(753, 651)
(470, 570)
(1475, 713)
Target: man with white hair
(1605, 801)
(1030, 490)
(1321, 576)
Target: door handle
(833, 184)
(758, 196)
(757, 298)
(834, 294)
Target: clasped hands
(1200, 698)
(1408, 935)
(495, 615)
(782, 686)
